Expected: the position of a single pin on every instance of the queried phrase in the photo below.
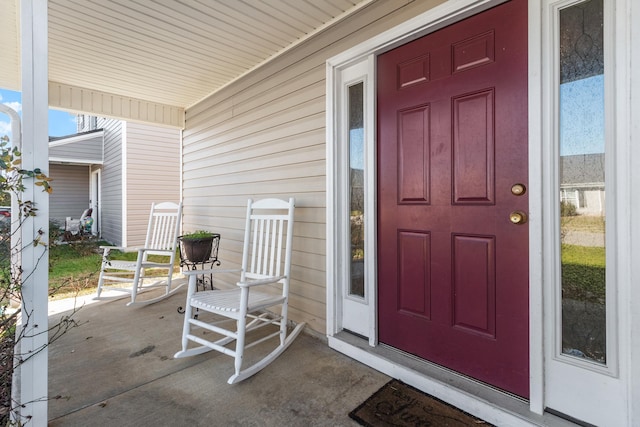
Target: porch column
(32, 376)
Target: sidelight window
(582, 177)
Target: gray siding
(89, 151)
(70, 195)
(112, 185)
(265, 136)
(153, 174)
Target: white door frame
(594, 393)
(96, 200)
(351, 310)
(540, 122)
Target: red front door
(452, 143)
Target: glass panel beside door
(582, 181)
(356, 188)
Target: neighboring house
(118, 169)
(72, 162)
(460, 140)
(582, 183)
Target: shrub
(568, 209)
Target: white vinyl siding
(153, 174)
(112, 185)
(264, 136)
(70, 196)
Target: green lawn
(583, 273)
(74, 268)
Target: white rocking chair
(161, 240)
(266, 260)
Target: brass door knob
(518, 217)
(518, 189)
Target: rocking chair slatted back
(164, 225)
(268, 240)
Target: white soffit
(164, 54)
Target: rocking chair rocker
(161, 240)
(264, 283)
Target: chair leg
(241, 330)
(100, 283)
(186, 328)
(137, 277)
(105, 257)
(169, 277)
(283, 323)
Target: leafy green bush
(568, 209)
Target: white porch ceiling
(165, 53)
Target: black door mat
(397, 404)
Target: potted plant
(196, 246)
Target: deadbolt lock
(518, 189)
(518, 217)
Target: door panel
(415, 295)
(452, 141)
(413, 155)
(474, 284)
(473, 149)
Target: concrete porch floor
(117, 369)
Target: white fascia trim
(70, 161)
(105, 104)
(76, 138)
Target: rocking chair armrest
(116, 248)
(210, 271)
(151, 249)
(125, 249)
(192, 277)
(259, 282)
